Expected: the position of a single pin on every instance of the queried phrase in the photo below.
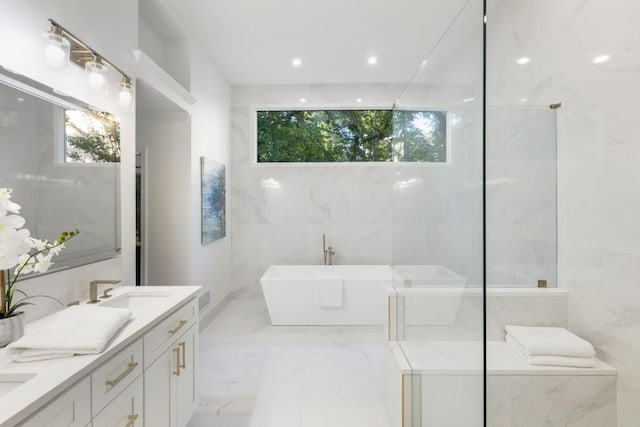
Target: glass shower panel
(521, 196)
(436, 321)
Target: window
(91, 137)
(351, 136)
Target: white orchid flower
(13, 244)
(55, 249)
(43, 262)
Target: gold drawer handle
(130, 367)
(177, 328)
(177, 352)
(132, 420)
(183, 345)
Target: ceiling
(254, 41)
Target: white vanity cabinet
(170, 379)
(147, 377)
(126, 409)
(71, 409)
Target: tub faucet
(93, 289)
(328, 253)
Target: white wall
(210, 264)
(22, 23)
(598, 152)
(180, 136)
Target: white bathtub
(294, 294)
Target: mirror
(62, 159)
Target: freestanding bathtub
(326, 294)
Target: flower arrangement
(18, 249)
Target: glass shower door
(437, 305)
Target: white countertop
(54, 376)
(465, 358)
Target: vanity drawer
(160, 338)
(115, 375)
(126, 409)
(71, 409)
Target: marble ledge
(465, 358)
(477, 291)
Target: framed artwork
(212, 182)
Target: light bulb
(56, 49)
(125, 96)
(96, 74)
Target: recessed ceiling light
(372, 60)
(358, 100)
(303, 100)
(523, 99)
(601, 59)
(21, 99)
(468, 99)
(523, 61)
(296, 62)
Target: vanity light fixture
(56, 47)
(96, 73)
(303, 100)
(125, 95)
(359, 100)
(62, 47)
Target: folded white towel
(75, 330)
(551, 360)
(328, 291)
(549, 341)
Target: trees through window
(351, 136)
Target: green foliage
(94, 138)
(351, 136)
(420, 136)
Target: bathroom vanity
(146, 376)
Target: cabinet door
(185, 382)
(71, 409)
(125, 409)
(159, 408)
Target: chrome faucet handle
(106, 293)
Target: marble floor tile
(253, 374)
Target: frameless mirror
(62, 159)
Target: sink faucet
(328, 253)
(93, 288)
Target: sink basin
(136, 300)
(9, 382)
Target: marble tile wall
(598, 152)
(371, 214)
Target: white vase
(11, 328)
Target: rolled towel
(75, 330)
(549, 341)
(551, 360)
